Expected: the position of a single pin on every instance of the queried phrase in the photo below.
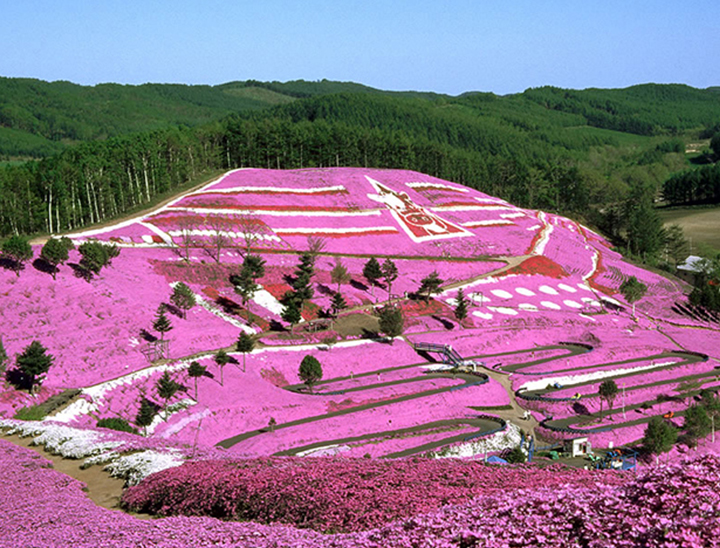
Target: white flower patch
(524, 291)
(68, 442)
(544, 236)
(550, 305)
(528, 307)
(439, 186)
(547, 290)
(507, 439)
(355, 231)
(569, 380)
(76, 409)
(265, 299)
(572, 304)
(595, 261)
(136, 467)
(182, 423)
(487, 222)
(512, 215)
(501, 293)
(271, 189)
(533, 228)
(567, 288)
(470, 207)
(591, 302)
(163, 235)
(610, 300)
(281, 213)
(584, 287)
(483, 315)
(503, 310)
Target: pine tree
(245, 344)
(461, 306)
(430, 284)
(166, 389)
(337, 304)
(183, 297)
(162, 324)
(390, 274)
(34, 362)
(291, 312)
(146, 414)
(221, 359)
(339, 274)
(195, 371)
(310, 371)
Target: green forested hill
(598, 155)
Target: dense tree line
(96, 181)
(696, 186)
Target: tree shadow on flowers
(18, 379)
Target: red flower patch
(539, 265)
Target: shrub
(116, 423)
(31, 413)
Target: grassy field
(701, 224)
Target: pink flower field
(546, 324)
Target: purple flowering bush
(336, 494)
(666, 506)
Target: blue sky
(448, 46)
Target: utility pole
(623, 401)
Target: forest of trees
(536, 149)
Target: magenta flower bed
(333, 495)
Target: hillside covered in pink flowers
(546, 323)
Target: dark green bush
(116, 423)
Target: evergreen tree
(146, 414)
(34, 362)
(608, 391)
(310, 371)
(389, 274)
(221, 359)
(195, 371)
(339, 274)
(166, 388)
(55, 252)
(659, 436)
(18, 250)
(697, 423)
(244, 285)
(3, 358)
(430, 284)
(337, 304)
(183, 297)
(245, 344)
(392, 322)
(461, 306)
(372, 273)
(291, 312)
(162, 324)
(633, 290)
(676, 246)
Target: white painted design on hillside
(270, 189)
(281, 213)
